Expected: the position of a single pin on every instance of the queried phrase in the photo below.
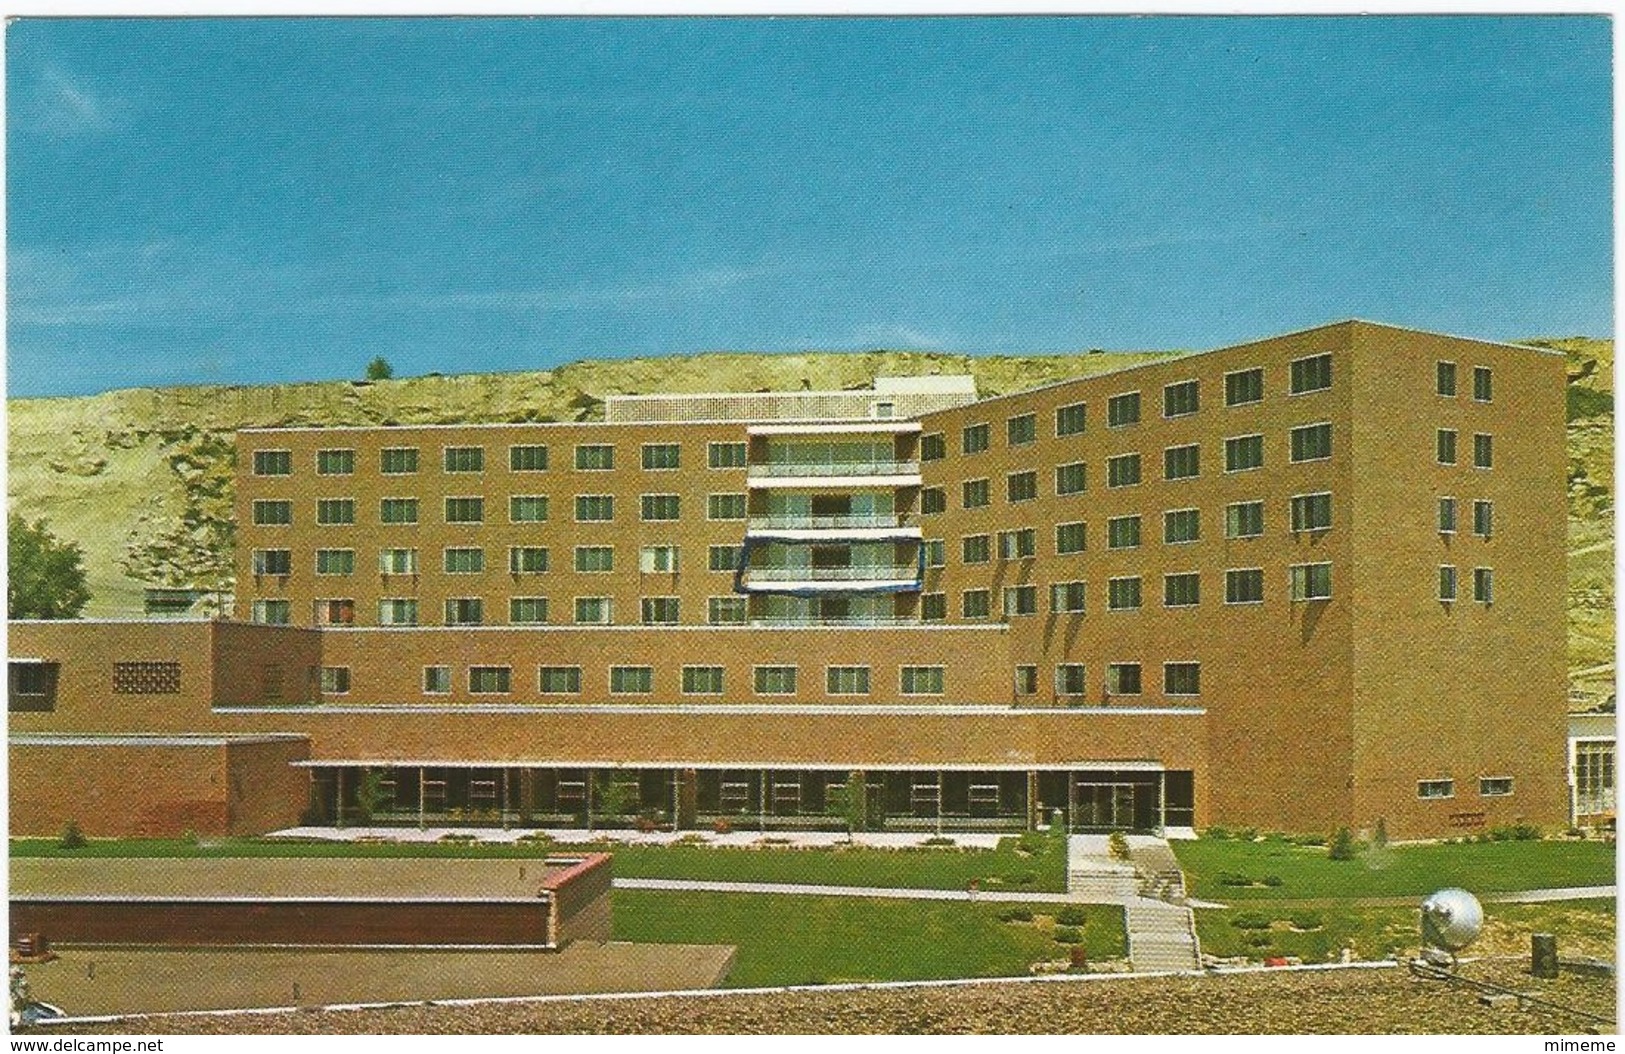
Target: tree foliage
(45, 575)
(379, 369)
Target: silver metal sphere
(1451, 919)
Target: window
(725, 507)
(847, 680)
(775, 680)
(595, 611)
(1311, 443)
(595, 458)
(1123, 410)
(725, 455)
(1020, 600)
(1435, 788)
(661, 611)
(657, 507)
(974, 439)
(465, 510)
(1243, 453)
(1021, 430)
(702, 680)
(1026, 680)
(1123, 470)
(933, 447)
(1483, 585)
(595, 558)
(662, 456)
(437, 680)
(1069, 420)
(1494, 786)
(527, 508)
(1123, 594)
(1244, 586)
(465, 611)
(1483, 518)
(977, 548)
(1182, 678)
(1021, 486)
(631, 680)
(723, 558)
(1483, 451)
(397, 561)
(1244, 519)
(1447, 583)
(273, 462)
(1446, 446)
(1447, 515)
(489, 680)
(1018, 545)
(1180, 399)
(1123, 532)
(273, 562)
(936, 552)
(1181, 525)
(933, 500)
(335, 462)
(1066, 597)
(974, 494)
(335, 680)
(527, 560)
(464, 458)
(527, 458)
(559, 680)
(398, 461)
(398, 510)
(146, 678)
(464, 561)
(1244, 386)
(1446, 383)
(1070, 538)
(1071, 479)
(1312, 374)
(335, 512)
(1311, 581)
(976, 603)
(1123, 678)
(1312, 512)
(1482, 388)
(922, 680)
(594, 508)
(727, 611)
(933, 607)
(335, 561)
(1182, 462)
(1070, 679)
(398, 611)
(271, 612)
(1182, 590)
(273, 513)
(523, 611)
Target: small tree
(1379, 837)
(846, 800)
(46, 576)
(1117, 845)
(369, 794)
(613, 798)
(379, 369)
(72, 836)
(1342, 847)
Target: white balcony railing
(833, 574)
(791, 522)
(836, 620)
(835, 468)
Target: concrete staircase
(1092, 874)
(1159, 873)
(1161, 937)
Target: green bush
(1117, 845)
(1232, 878)
(1032, 842)
(1068, 935)
(72, 836)
(1379, 837)
(1015, 915)
(1273, 881)
(1218, 834)
(1069, 917)
(1519, 832)
(1025, 878)
(1305, 920)
(1342, 847)
(934, 840)
(1259, 940)
(1250, 920)
(1247, 834)
(1309, 840)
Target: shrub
(1218, 834)
(189, 836)
(1069, 917)
(1247, 834)
(1379, 837)
(1305, 920)
(72, 836)
(936, 840)
(1117, 845)
(1250, 920)
(1310, 840)
(1518, 832)
(1259, 940)
(722, 826)
(1273, 881)
(1232, 878)
(1032, 842)
(1342, 847)
(1025, 878)
(1015, 915)
(1068, 935)
(456, 836)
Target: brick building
(1296, 584)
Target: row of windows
(1483, 516)
(589, 457)
(639, 680)
(534, 610)
(1180, 399)
(1488, 787)
(522, 508)
(1483, 448)
(1122, 678)
(1183, 589)
(522, 559)
(1483, 385)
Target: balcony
(841, 527)
(769, 622)
(875, 573)
(825, 469)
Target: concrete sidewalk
(1004, 896)
(1540, 896)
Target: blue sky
(249, 201)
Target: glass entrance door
(1104, 805)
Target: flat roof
(46, 739)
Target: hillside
(142, 479)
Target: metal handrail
(786, 521)
(836, 468)
(831, 574)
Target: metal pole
(1162, 803)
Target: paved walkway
(796, 889)
(1540, 896)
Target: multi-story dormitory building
(1301, 583)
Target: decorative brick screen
(146, 678)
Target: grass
(1398, 871)
(783, 940)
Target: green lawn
(1307, 873)
(1008, 867)
(785, 940)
